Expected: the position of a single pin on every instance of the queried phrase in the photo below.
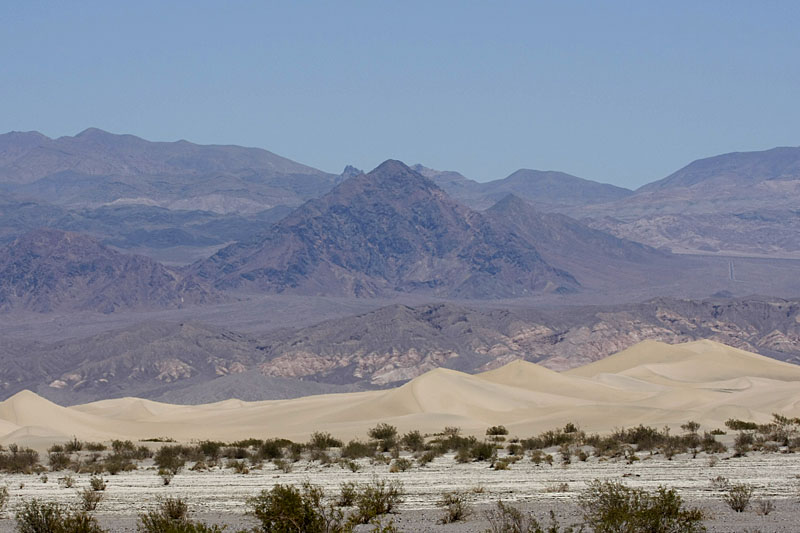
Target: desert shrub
(720, 483)
(270, 450)
(170, 459)
(3, 497)
(743, 443)
(504, 518)
(400, 465)
(355, 449)
(96, 447)
(611, 507)
(283, 465)
(456, 507)
(385, 436)
(709, 444)
(171, 516)
(89, 499)
(240, 467)
(427, 457)
(497, 433)
(58, 461)
(41, 517)
(235, 452)
(556, 487)
(287, 509)
(376, 498)
(210, 449)
(413, 441)
(738, 497)
(116, 463)
(73, 446)
(482, 451)
(514, 448)
(19, 460)
(97, 483)
(67, 481)
(347, 494)
(129, 450)
(740, 425)
(323, 441)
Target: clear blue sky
(621, 92)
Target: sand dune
(651, 383)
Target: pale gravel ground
(219, 495)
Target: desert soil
(219, 495)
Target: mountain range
(197, 363)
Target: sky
(618, 92)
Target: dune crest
(650, 383)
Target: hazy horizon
(618, 93)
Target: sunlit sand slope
(651, 383)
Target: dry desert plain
(651, 383)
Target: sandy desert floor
(219, 495)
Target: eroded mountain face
(195, 363)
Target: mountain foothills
(172, 259)
(197, 363)
(652, 383)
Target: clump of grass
(456, 507)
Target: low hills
(515, 396)
(191, 362)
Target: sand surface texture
(651, 383)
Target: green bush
(287, 509)
(171, 516)
(323, 441)
(42, 517)
(385, 435)
(356, 449)
(611, 507)
(376, 498)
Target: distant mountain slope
(594, 257)
(195, 363)
(397, 343)
(96, 167)
(547, 190)
(47, 270)
(740, 169)
(182, 363)
(386, 231)
(734, 204)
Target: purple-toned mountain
(545, 189)
(594, 257)
(97, 167)
(47, 270)
(391, 230)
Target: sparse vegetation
(41, 517)
(738, 497)
(611, 507)
(456, 507)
